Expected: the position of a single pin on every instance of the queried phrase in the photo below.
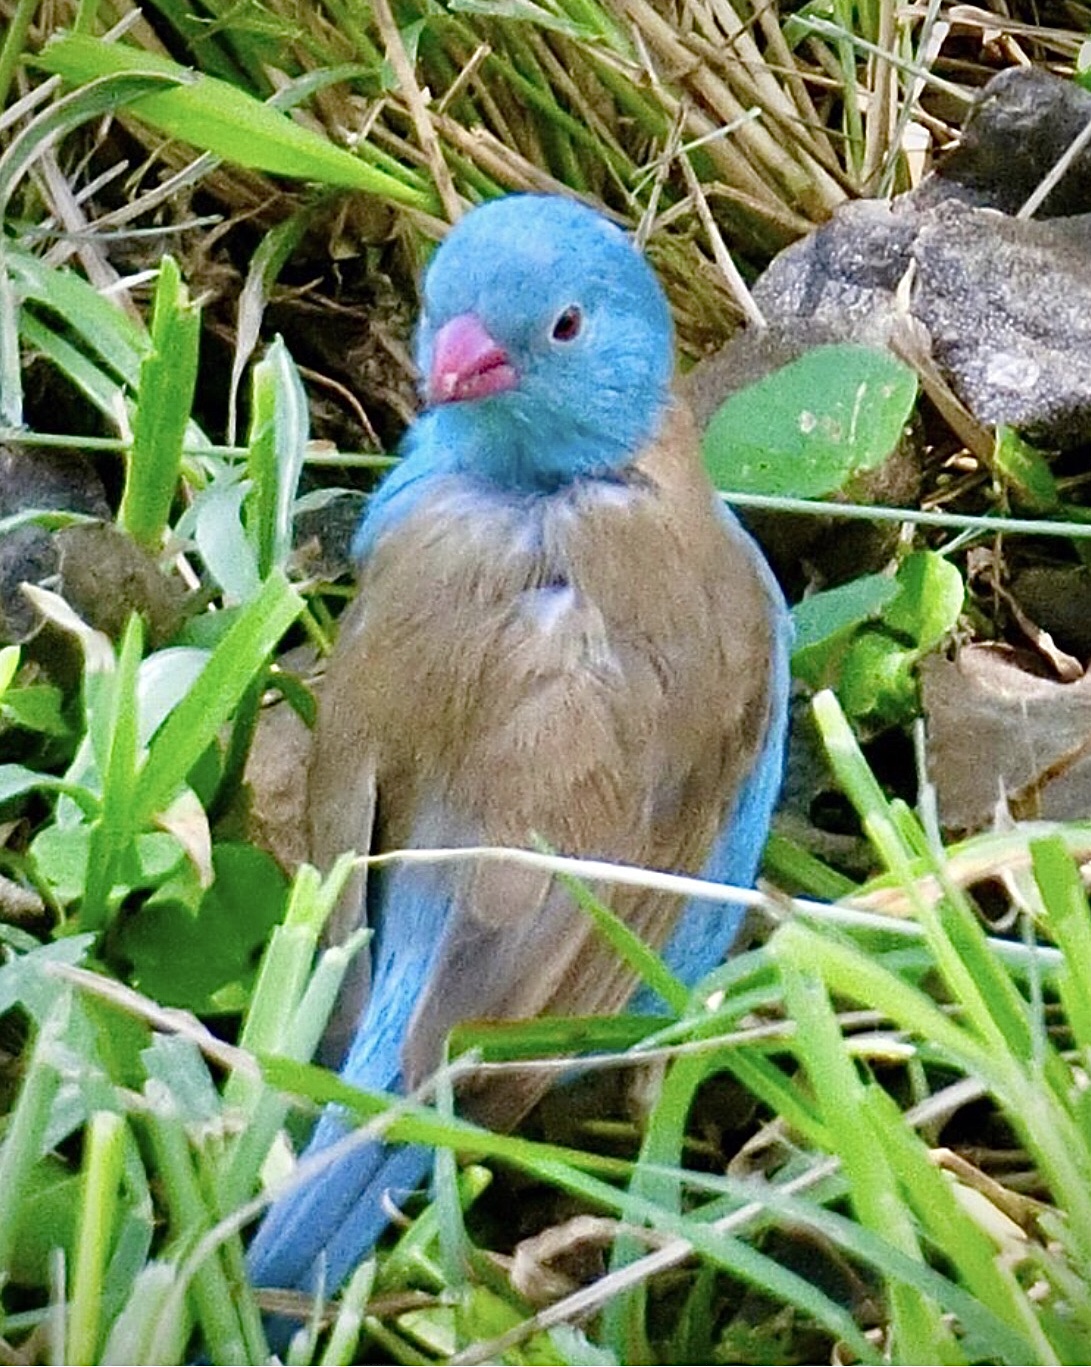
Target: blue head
(545, 345)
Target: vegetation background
(868, 1139)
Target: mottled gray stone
(1006, 302)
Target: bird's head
(545, 344)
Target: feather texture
(560, 633)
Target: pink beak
(467, 363)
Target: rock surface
(1005, 301)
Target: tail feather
(319, 1233)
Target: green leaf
(271, 255)
(826, 622)
(1024, 472)
(116, 756)
(877, 677)
(930, 597)
(168, 380)
(190, 960)
(17, 779)
(178, 1064)
(227, 551)
(810, 427)
(551, 1035)
(9, 665)
(528, 12)
(37, 707)
(108, 332)
(60, 856)
(865, 638)
(47, 1220)
(222, 119)
(118, 86)
(89, 378)
(215, 694)
(277, 446)
(1058, 878)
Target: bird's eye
(568, 324)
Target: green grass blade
(11, 371)
(277, 447)
(101, 326)
(168, 381)
(1069, 921)
(90, 379)
(630, 948)
(214, 1298)
(982, 1266)
(273, 252)
(110, 91)
(974, 974)
(104, 1148)
(142, 1333)
(577, 1172)
(657, 1178)
(220, 686)
(918, 1334)
(13, 45)
(24, 1138)
(114, 729)
(224, 120)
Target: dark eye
(568, 324)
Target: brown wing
(341, 813)
(591, 668)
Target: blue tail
(317, 1233)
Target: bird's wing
(616, 710)
(341, 813)
(705, 931)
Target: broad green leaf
(59, 855)
(877, 677)
(18, 779)
(826, 622)
(214, 520)
(221, 118)
(25, 979)
(47, 1220)
(807, 429)
(37, 707)
(865, 638)
(929, 600)
(206, 961)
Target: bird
(560, 633)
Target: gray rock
(1008, 305)
(1006, 302)
(1022, 123)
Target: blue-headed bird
(559, 633)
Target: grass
(900, 1170)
